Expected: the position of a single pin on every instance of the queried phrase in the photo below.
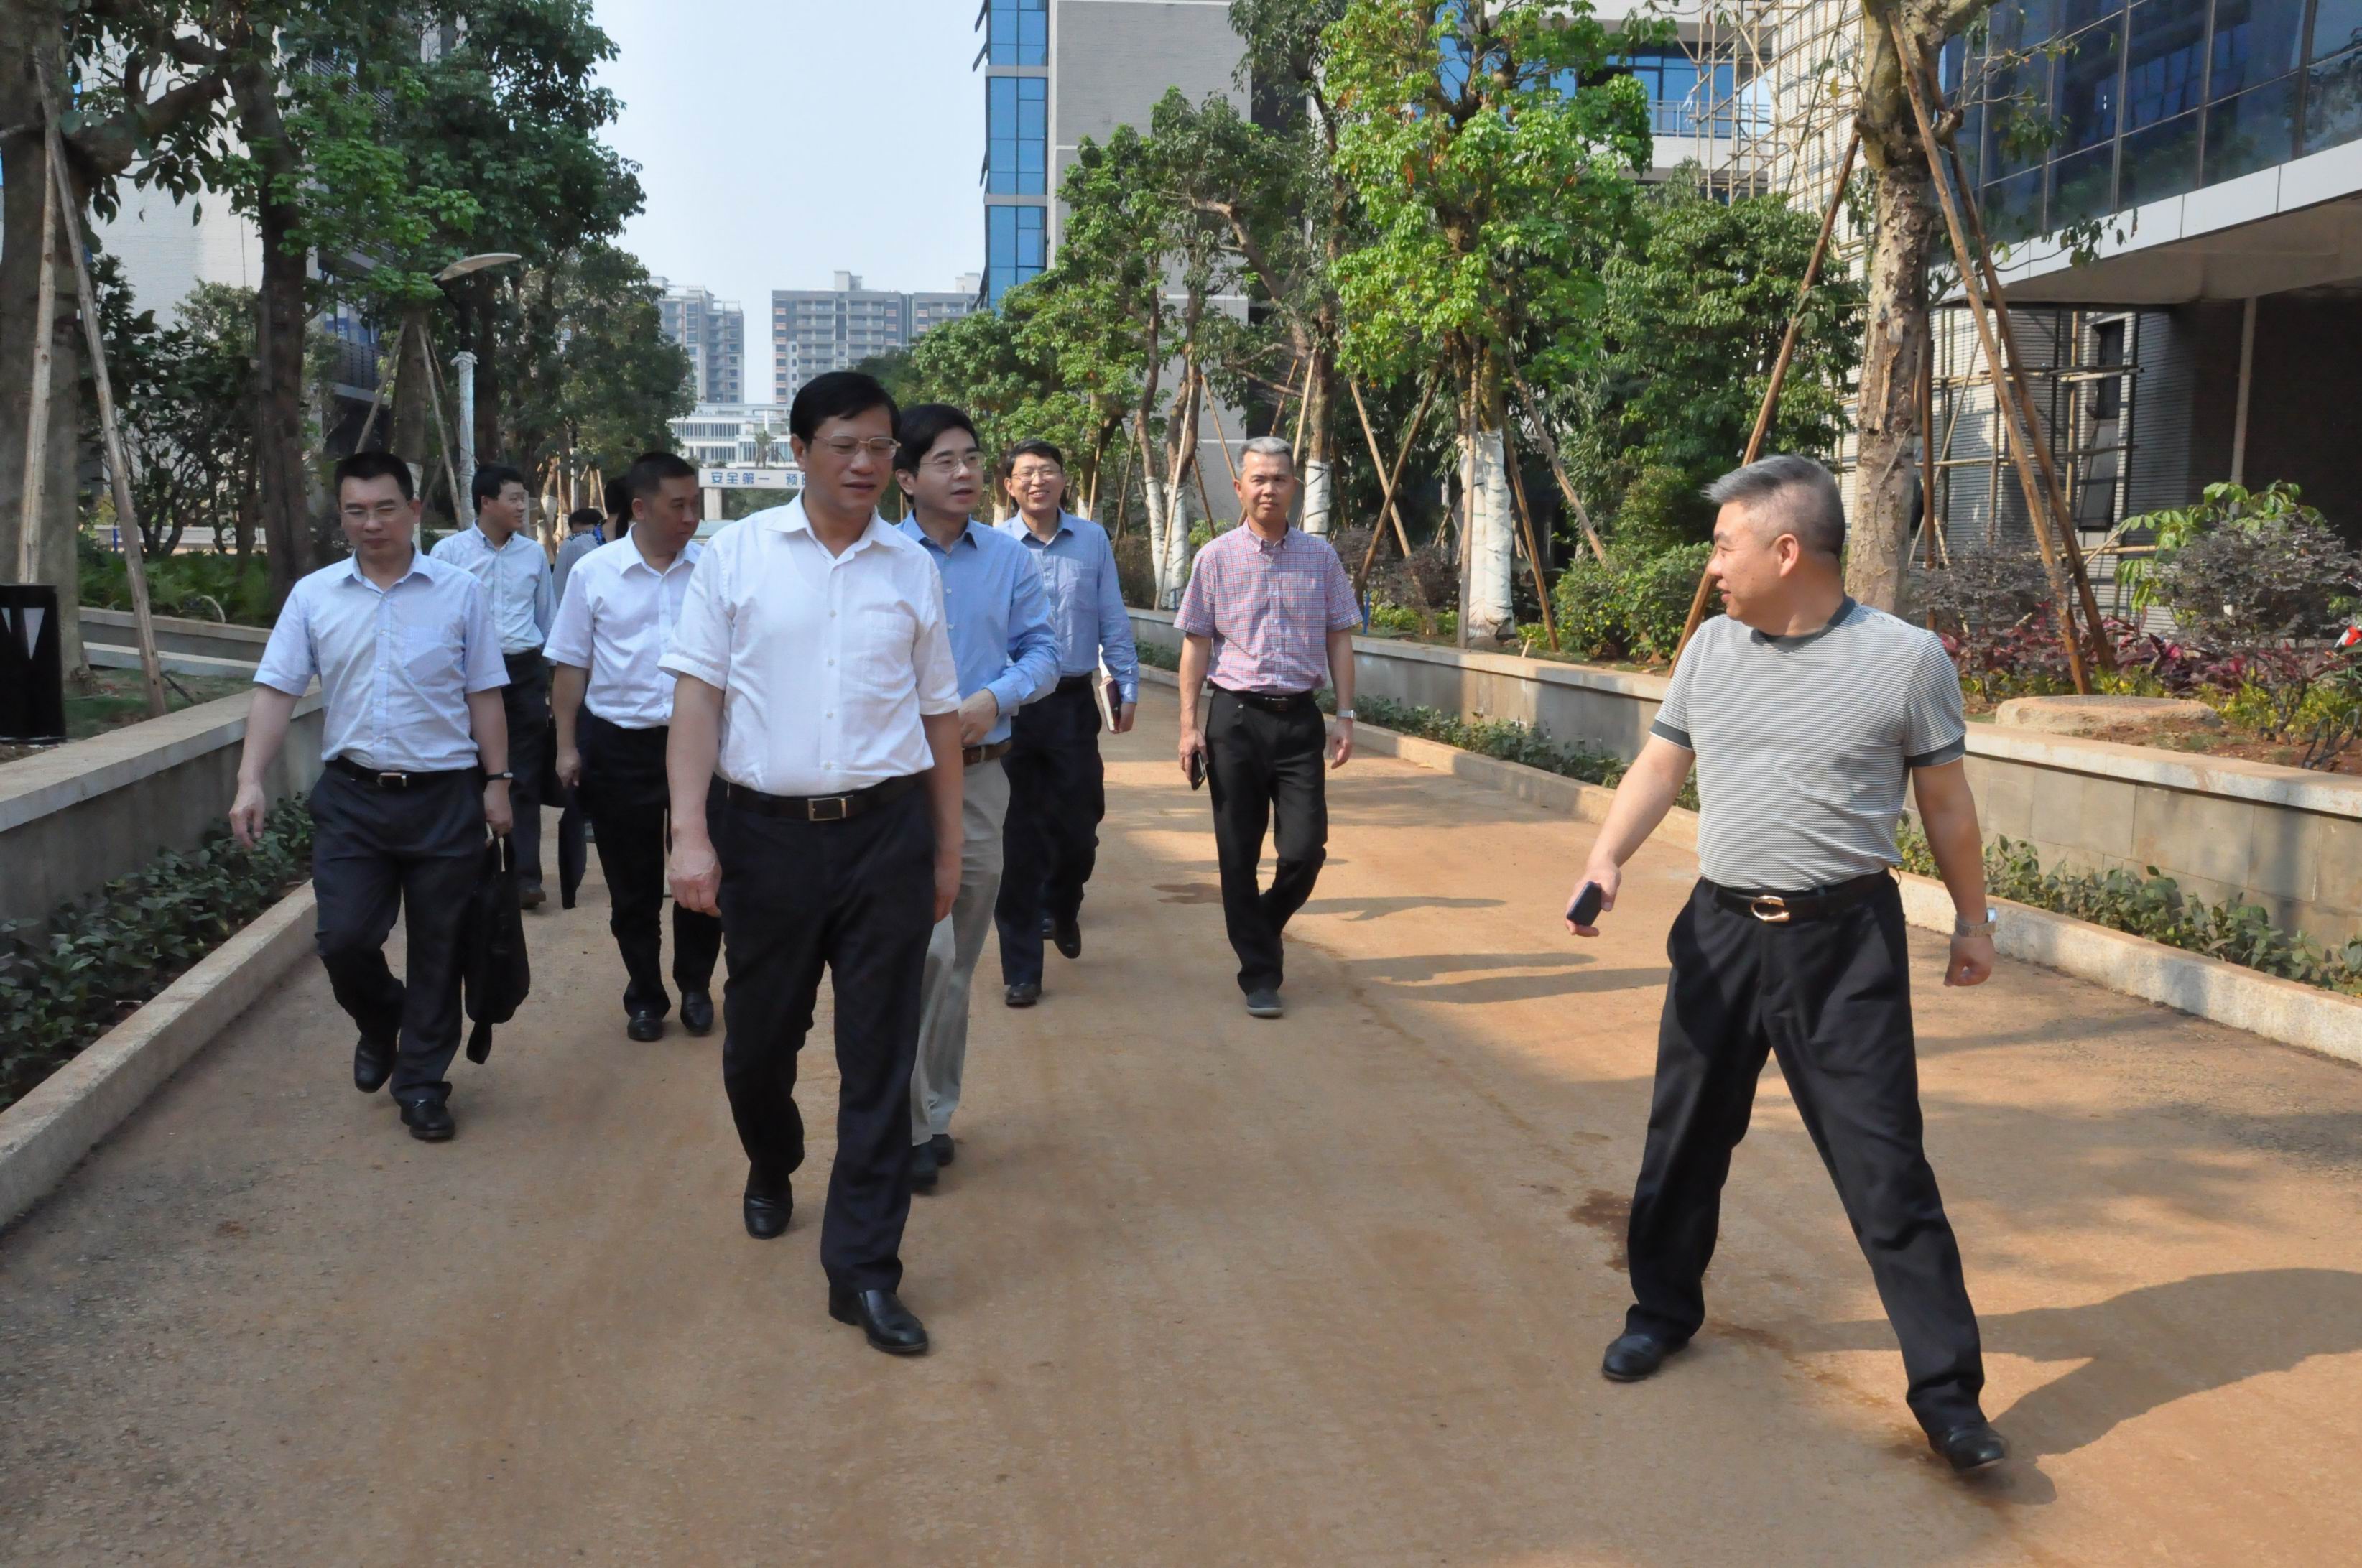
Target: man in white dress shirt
(502, 553)
(416, 746)
(622, 603)
(818, 708)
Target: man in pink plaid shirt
(1269, 614)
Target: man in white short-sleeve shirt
(614, 704)
(416, 751)
(816, 801)
(1806, 716)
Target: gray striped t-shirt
(1805, 744)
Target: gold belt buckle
(817, 813)
(1778, 907)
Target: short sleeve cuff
(710, 671)
(1352, 623)
(290, 685)
(1950, 751)
(1680, 738)
(489, 680)
(1188, 625)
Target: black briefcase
(496, 975)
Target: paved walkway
(1204, 1290)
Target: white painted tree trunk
(1160, 525)
(1319, 495)
(1173, 568)
(1492, 544)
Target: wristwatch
(1344, 712)
(1977, 927)
(489, 777)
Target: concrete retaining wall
(93, 810)
(2288, 839)
(174, 635)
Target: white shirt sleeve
(938, 672)
(485, 669)
(700, 641)
(288, 663)
(569, 634)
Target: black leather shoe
(1971, 1448)
(645, 1026)
(1266, 1004)
(924, 1167)
(942, 1143)
(429, 1121)
(372, 1064)
(531, 897)
(767, 1212)
(697, 1012)
(880, 1315)
(1633, 1357)
(1068, 934)
(1024, 993)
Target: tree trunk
(280, 442)
(410, 441)
(1895, 347)
(1489, 553)
(1319, 469)
(23, 166)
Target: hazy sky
(779, 140)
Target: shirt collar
(790, 519)
(418, 568)
(634, 557)
(1066, 521)
(911, 526)
(1268, 544)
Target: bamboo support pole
(36, 433)
(1787, 354)
(127, 519)
(442, 427)
(1394, 477)
(2037, 501)
(1558, 469)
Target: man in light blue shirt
(500, 553)
(1057, 784)
(416, 746)
(999, 623)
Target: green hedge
(201, 585)
(63, 986)
(2154, 906)
(1632, 605)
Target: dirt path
(1204, 1290)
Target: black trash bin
(32, 669)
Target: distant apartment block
(815, 331)
(714, 333)
(717, 434)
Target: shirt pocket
(427, 654)
(879, 650)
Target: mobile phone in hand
(1585, 908)
(1196, 768)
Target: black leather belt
(393, 779)
(1082, 682)
(1271, 701)
(1789, 909)
(977, 754)
(822, 808)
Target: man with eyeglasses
(1057, 784)
(614, 710)
(817, 707)
(416, 744)
(502, 553)
(999, 624)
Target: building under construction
(2204, 157)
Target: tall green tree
(1495, 161)
(593, 378)
(1691, 317)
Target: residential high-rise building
(817, 330)
(714, 333)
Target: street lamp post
(464, 363)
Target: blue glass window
(2087, 87)
(1017, 130)
(1020, 32)
(2336, 25)
(2166, 66)
(2254, 41)
(1012, 247)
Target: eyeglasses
(846, 446)
(953, 462)
(383, 511)
(1037, 476)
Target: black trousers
(1832, 999)
(525, 698)
(573, 844)
(1057, 795)
(1265, 770)
(417, 850)
(856, 898)
(625, 790)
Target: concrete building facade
(714, 333)
(815, 331)
(723, 434)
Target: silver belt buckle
(818, 811)
(394, 780)
(1778, 907)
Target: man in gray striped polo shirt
(1806, 715)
